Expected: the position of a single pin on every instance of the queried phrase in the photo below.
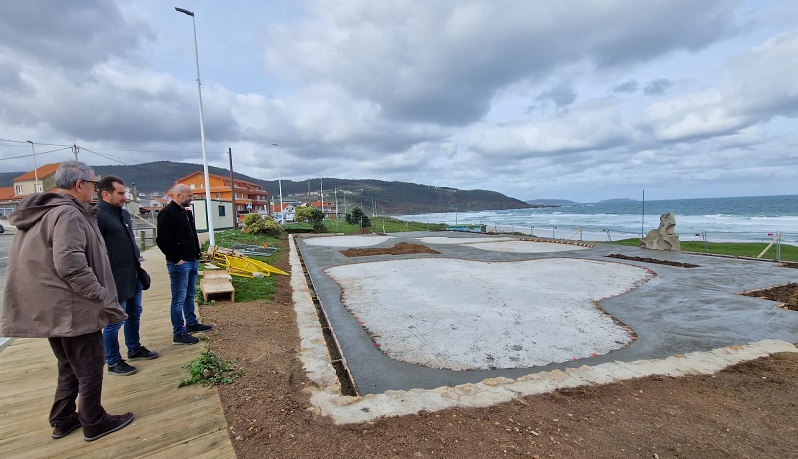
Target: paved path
(170, 422)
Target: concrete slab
(466, 315)
(678, 311)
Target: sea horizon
(759, 216)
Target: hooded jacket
(59, 281)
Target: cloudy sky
(581, 100)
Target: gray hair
(69, 172)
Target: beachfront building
(27, 184)
(6, 200)
(287, 209)
(152, 205)
(43, 180)
(327, 207)
(250, 197)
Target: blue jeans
(132, 308)
(184, 286)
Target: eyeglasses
(96, 183)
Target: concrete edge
(326, 398)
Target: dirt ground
(402, 248)
(746, 411)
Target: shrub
(262, 224)
(357, 217)
(309, 214)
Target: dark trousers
(80, 377)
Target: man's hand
(179, 263)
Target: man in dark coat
(60, 287)
(177, 239)
(116, 227)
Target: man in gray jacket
(116, 227)
(60, 287)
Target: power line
(23, 142)
(125, 164)
(37, 143)
(114, 158)
(38, 153)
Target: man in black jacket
(177, 239)
(123, 253)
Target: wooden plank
(218, 275)
(170, 421)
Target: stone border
(326, 398)
(558, 241)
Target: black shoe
(121, 368)
(198, 328)
(185, 338)
(62, 429)
(110, 424)
(142, 353)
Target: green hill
(389, 198)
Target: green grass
(248, 289)
(381, 225)
(209, 369)
(738, 249)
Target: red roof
(249, 185)
(7, 192)
(42, 171)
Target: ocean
(755, 218)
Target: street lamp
(280, 183)
(208, 212)
(35, 169)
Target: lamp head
(184, 11)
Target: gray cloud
(443, 61)
(658, 86)
(72, 35)
(428, 92)
(627, 87)
(561, 95)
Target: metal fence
(758, 244)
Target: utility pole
(35, 168)
(321, 194)
(75, 150)
(233, 189)
(280, 184)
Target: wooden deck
(170, 422)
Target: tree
(357, 217)
(311, 215)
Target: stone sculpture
(665, 237)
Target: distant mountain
(6, 178)
(551, 202)
(389, 198)
(619, 200)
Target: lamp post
(280, 183)
(35, 168)
(208, 211)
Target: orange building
(250, 197)
(26, 184)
